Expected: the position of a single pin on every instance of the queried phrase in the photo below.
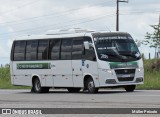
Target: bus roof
(102, 34)
(66, 33)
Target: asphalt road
(62, 99)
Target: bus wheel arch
(34, 78)
(89, 84)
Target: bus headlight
(140, 69)
(108, 71)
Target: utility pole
(159, 19)
(158, 36)
(117, 19)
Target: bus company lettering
(33, 66)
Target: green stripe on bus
(123, 65)
(33, 66)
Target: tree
(153, 39)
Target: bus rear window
(19, 50)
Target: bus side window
(19, 50)
(66, 49)
(54, 49)
(12, 52)
(28, 47)
(77, 48)
(31, 50)
(43, 50)
(90, 53)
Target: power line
(4, 58)
(70, 21)
(87, 21)
(40, 28)
(52, 14)
(57, 13)
(140, 12)
(22, 6)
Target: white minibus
(76, 59)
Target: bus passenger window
(31, 50)
(19, 50)
(66, 49)
(77, 48)
(42, 50)
(54, 48)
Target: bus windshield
(116, 49)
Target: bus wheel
(91, 87)
(73, 90)
(37, 87)
(130, 88)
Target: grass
(6, 84)
(151, 75)
(5, 81)
(151, 80)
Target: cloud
(44, 15)
(4, 53)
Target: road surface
(62, 99)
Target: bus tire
(91, 86)
(32, 90)
(73, 90)
(130, 88)
(37, 87)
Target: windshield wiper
(131, 55)
(116, 55)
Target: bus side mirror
(86, 45)
(138, 44)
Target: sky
(33, 17)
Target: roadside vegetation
(151, 75)
(151, 81)
(152, 67)
(5, 81)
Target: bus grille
(125, 78)
(125, 74)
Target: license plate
(127, 75)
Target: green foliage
(151, 75)
(5, 81)
(153, 39)
(151, 81)
(152, 65)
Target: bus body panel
(63, 73)
(21, 77)
(48, 80)
(77, 72)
